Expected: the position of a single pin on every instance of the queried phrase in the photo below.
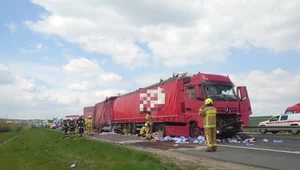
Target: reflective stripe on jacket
(209, 116)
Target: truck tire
(133, 128)
(294, 131)
(162, 127)
(129, 128)
(195, 131)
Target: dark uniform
(81, 126)
(66, 127)
(209, 112)
(72, 127)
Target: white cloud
(6, 76)
(102, 94)
(178, 32)
(12, 27)
(82, 67)
(25, 84)
(60, 95)
(109, 78)
(147, 79)
(79, 87)
(32, 49)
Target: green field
(47, 150)
(254, 121)
(6, 135)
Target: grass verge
(4, 136)
(44, 149)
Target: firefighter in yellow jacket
(147, 129)
(89, 125)
(209, 112)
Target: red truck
(174, 105)
(88, 111)
(295, 109)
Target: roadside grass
(7, 135)
(254, 121)
(45, 149)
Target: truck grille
(224, 110)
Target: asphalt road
(267, 155)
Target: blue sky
(75, 55)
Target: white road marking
(260, 149)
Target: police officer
(209, 112)
(80, 123)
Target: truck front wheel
(195, 131)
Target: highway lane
(288, 143)
(256, 158)
(268, 155)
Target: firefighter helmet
(208, 101)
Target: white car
(281, 120)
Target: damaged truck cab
(233, 106)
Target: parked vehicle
(281, 120)
(174, 104)
(295, 109)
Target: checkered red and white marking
(152, 100)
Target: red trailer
(174, 105)
(103, 113)
(88, 111)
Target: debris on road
(265, 140)
(278, 141)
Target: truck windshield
(220, 92)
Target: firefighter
(144, 130)
(72, 126)
(209, 112)
(89, 125)
(66, 128)
(85, 128)
(80, 123)
(149, 122)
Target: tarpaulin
(88, 111)
(161, 100)
(103, 113)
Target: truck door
(244, 104)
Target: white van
(281, 120)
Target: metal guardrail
(250, 128)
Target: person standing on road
(149, 122)
(89, 125)
(209, 112)
(80, 123)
